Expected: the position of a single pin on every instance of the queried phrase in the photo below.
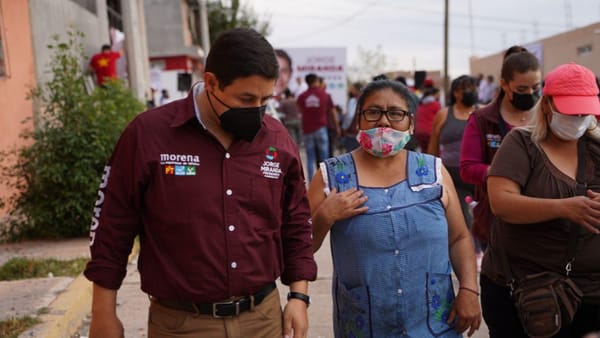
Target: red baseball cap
(573, 89)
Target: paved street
(133, 303)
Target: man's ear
(210, 81)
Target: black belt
(227, 308)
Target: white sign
(328, 63)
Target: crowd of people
(215, 189)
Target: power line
(337, 23)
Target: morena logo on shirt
(270, 168)
(179, 164)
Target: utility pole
(138, 69)
(204, 27)
(446, 79)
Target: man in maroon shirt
(104, 65)
(215, 191)
(314, 105)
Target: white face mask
(569, 127)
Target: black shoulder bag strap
(580, 189)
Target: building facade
(581, 45)
(27, 27)
(176, 58)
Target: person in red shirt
(429, 106)
(215, 191)
(104, 65)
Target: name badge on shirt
(270, 168)
(493, 140)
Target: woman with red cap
(550, 166)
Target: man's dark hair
(380, 77)
(287, 93)
(105, 47)
(283, 54)
(311, 78)
(401, 79)
(241, 52)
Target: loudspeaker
(184, 82)
(420, 78)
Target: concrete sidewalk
(61, 302)
(66, 302)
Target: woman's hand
(346, 204)
(584, 210)
(466, 311)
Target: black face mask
(524, 101)
(469, 98)
(243, 123)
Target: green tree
(222, 17)
(55, 176)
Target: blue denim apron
(392, 273)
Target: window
(90, 5)
(584, 50)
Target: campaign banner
(328, 63)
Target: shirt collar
(188, 108)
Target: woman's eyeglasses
(393, 115)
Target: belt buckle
(231, 302)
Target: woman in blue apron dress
(396, 230)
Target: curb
(67, 312)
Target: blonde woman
(532, 190)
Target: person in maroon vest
(520, 90)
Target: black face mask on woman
(524, 101)
(243, 123)
(469, 98)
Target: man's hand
(106, 327)
(295, 319)
(105, 323)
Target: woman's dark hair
(395, 86)
(517, 59)
(241, 52)
(460, 82)
(512, 50)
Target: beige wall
(14, 106)
(556, 50)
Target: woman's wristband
(469, 289)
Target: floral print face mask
(382, 142)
